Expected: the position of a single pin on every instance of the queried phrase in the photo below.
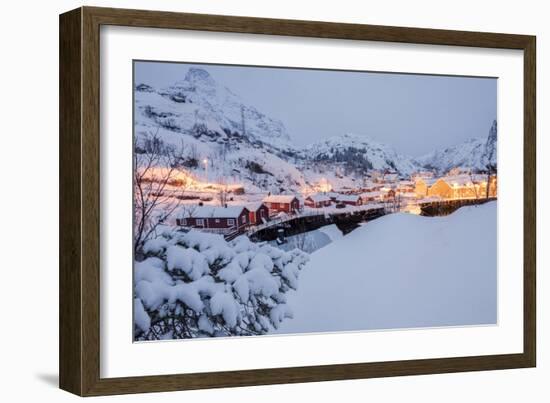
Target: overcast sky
(413, 113)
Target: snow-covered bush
(198, 285)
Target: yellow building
(463, 187)
(421, 186)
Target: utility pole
(242, 120)
(205, 161)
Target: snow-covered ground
(402, 271)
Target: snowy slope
(200, 106)
(474, 154)
(244, 146)
(441, 276)
(206, 118)
(360, 154)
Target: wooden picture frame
(79, 348)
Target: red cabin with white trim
(258, 213)
(221, 220)
(318, 201)
(282, 203)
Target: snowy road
(402, 271)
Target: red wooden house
(388, 194)
(370, 197)
(282, 203)
(220, 220)
(258, 213)
(318, 201)
(350, 200)
(406, 186)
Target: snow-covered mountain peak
(199, 105)
(491, 146)
(359, 153)
(198, 85)
(476, 154)
(198, 75)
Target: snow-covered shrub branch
(193, 284)
(156, 167)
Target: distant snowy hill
(474, 154)
(359, 154)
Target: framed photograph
(249, 201)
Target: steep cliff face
(491, 146)
(198, 105)
(473, 154)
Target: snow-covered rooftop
(253, 206)
(348, 197)
(463, 180)
(211, 211)
(372, 194)
(279, 198)
(427, 181)
(318, 198)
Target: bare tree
(223, 192)
(491, 170)
(189, 210)
(397, 201)
(156, 169)
(473, 181)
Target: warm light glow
(188, 181)
(322, 186)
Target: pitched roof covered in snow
(427, 181)
(369, 195)
(351, 198)
(211, 212)
(463, 180)
(279, 198)
(318, 198)
(253, 206)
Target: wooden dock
(346, 221)
(445, 207)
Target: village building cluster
(378, 188)
(459, 186)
